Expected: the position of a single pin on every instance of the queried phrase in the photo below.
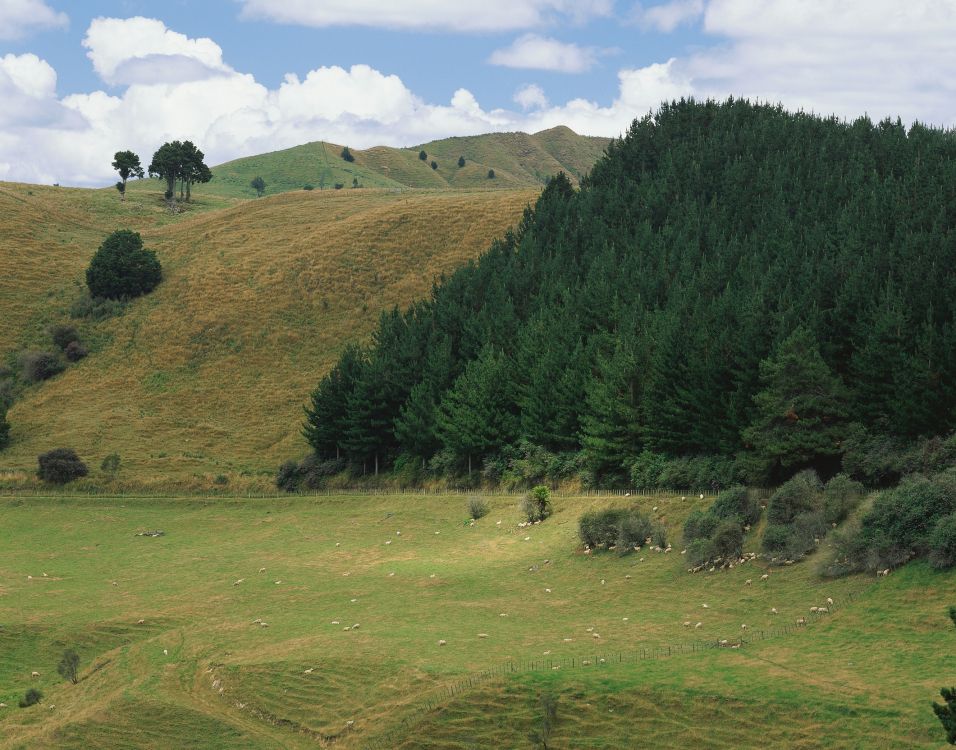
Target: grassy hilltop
(200, 671)
(207, 375)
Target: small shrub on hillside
(4, 428)
(659, 536)
(536, 505)
(647, 469)
(952, 615)
(633, 530)
(310, 473)
(461, 161)
(540, 737)
(727, 541)
(287, 478)
(942, 543)
(121, 267)
(220, 480)
(799, 494)
(841, 496)
(655, 470)
(347, 155)
(110, 464)
(68, 666)
(40, 366)
(96, 309)
(491, 174)
(776, 538)
(879, 460)
(738, 503)
(600, 527)
(338, 185)
(75, 351)
(700, 525)
(63, 335)
(477, 507)
(308, 186)
(61, 465)
(422, 155)
(31, 698)
(8, 393)
(946, 713)
(699, 551)
(434, 165)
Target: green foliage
(598, 528)
(110, 464)
(477, 507)
(64, 335)
(737, 503)
(60, 466)
(308, 474)
(182, 162)
(881, 460)
(800, 494)
(717, 287)
(901, 524)
(461, 161)
(434, 165)
(776, 538)
(422, 155)
(40, 366)
(308, 186)
(31, 698)
(728, 540)
(347, 155)
(801, 408)
(67, 668)
(536, 504)
(700, 525)
(841, 496)
(942, 543)
(491, 174)
(946, 713)
(121, 268)
(128, 165)
(259, 185)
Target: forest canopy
(732, 280)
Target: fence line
(386, 741)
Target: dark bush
(287, 478)
(654, 471)
(4, 428)
(461, 161)
(942, 543)
(841, 496)
(738, 503)
(700, 525)
(347, 155)
(536, 505)
(800, 494)
(434, 165)
(776, 538)
(60, 466)
(122, 268)
(659, 536)
(75, 351)
(491, 174)
(31, 698)
(63, 335)
(633, 530)
(601, 527)
(308, 186)
(338, 185)
(728, 540)
(39, 366)
(699, 551)
(422, 155)
(96, 309)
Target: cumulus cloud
(907, 66)
(542, 53)
(143, 50)
(461, 15)
(668, 16)
(18, 17)
(530, 96)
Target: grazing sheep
(686, 623)
(705, 606)
(336, 622)
(698, 626)
(829, 601)
(595, 635)
(773, 610)
(503, 614)
(355, 626)
(765, 576)
(482, 635)
(823, 610)
(602, 581)
(262, 570)
(801, 621)
(814, 609)
(744, 626)
(165, 652)
(388, 542)
(568, 640)
(442, 643)
(309, 670)
(141, 621)
(277, 582)
(627, 577)
(258, 620)
(35, 674)
(347, 627)
(263, 624)
(236, 583)
(701, 495)
(3, 705)
(547, 591)
(748, 582)
(624, 619)
(390, 575)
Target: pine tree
(327, 416)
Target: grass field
(199, 671)
(207, 375)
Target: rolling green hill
(208, 374)
(172, 652)
(518, 160)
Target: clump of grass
(477, 507)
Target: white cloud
(143, 50)
(460, 15)
(18, 17)
(668, 16)
(530, 96)
(542, 53)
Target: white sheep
(35, 674)
(442, 643)
(262, 570)
(773, 610)
(309, 670)
(236, 583)
(686, 623)
(748, 582)
(482, 635)
(744, 626)
(141, 621)
(765, 576)
(829, 601)
(698, 626)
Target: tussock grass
(860, 677)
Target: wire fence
(596, 660)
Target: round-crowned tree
(122, 268)
(61, 465)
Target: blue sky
(80, 80)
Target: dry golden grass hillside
(207, 375)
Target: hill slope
(207, 374)
(518, 159)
